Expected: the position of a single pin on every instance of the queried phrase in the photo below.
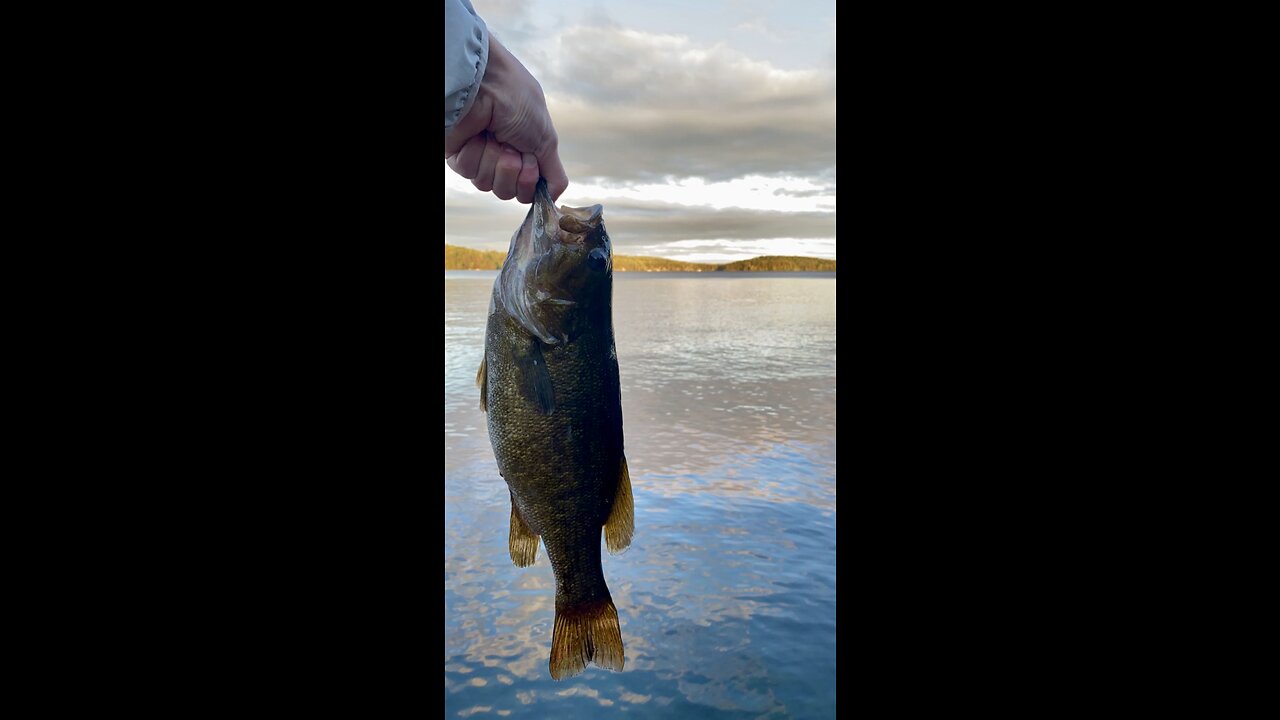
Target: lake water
(727, 596)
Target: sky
(705, 128)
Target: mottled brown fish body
(549, 383)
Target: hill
(460, 258)
(640, 263)
(780, 263)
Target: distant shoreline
(460, 258)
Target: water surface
(726, 597)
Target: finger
(527, 182)
(488, 164)
(553, 171)
(506, 173)
(467, 162)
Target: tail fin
(587, 633)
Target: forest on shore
(460, 258)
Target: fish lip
(545, 218)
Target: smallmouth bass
(550, 387)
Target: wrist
(498, 67)
(506, 82)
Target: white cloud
(730, 250)
(757, 192)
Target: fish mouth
(580, 222)
(566, 225)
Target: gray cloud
(504, 14)
(632, 106)
(633, 223)
(805, 193)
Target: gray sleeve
(466, 54)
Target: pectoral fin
(622, 521)
(535, 379)
(523, 542)
(482, 382)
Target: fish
(552, 395)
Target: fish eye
(597, 259)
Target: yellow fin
(622, 519)
(523, 542)
(482, 382)
(586, 634)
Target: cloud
(662, 222)
(758, 26)
(817, 192)
(641, 106)
(727, 250)
(681, 141)
(639, 227)
(503, 13)
(513, 23)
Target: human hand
(506, 140)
